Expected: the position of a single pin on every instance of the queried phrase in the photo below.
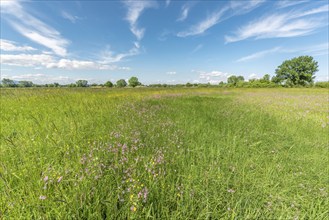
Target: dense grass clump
(197, 153)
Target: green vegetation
(82, 83)
(108, 84)
(297, 71)
(173, 153)
(121, 83)
(133, 82)
(234, 80)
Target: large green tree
(235, 79)
(133, 81)
(8, 83)
(121, 83)
(82, 83)
(108, 84)
(297, 71)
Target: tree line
(297, 72)
(132, 82)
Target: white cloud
(184, 12)
(253, 76)
(288, 3)
(135, 9)
(27, 60)
(321, 9)
(68, 16)
(258, 54)
(109, 56)
(243, 7)
(235, 8)
(7, 45)
(33, 28)
(171, 73)
(39, 61)
(79, 65)
(289, 24)
(213, 77)
(203, 25)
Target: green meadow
(171, 153)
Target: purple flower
(45, 179)
(43, 197)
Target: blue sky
(159, 41)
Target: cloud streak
(234, 8)
(314, 50)
(7, 45)
(288, 3)
(289, 24)
(68, 16)
(135, 9)
(184, 12)
(259, 54)
(33, 28)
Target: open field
(198, 153)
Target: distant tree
(235, 79)
(297, 71)
(189, 84)
(266, 78)
(240, 78)
(108, 84)
(81, 83)
(121, 83)
(94, 84)
(8, 83)
(56, 84)
(25, 84)
(133, 82)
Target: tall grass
(200, 153)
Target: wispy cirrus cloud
(288, 24)
(135, 9)
(233, 8)
(184, 12)
(259, 54)
(108, 56)
(243, 7)
(288, 3)
(203, 25)
(7, 45)
(70, 17)
(313, 50)
(33, 28)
